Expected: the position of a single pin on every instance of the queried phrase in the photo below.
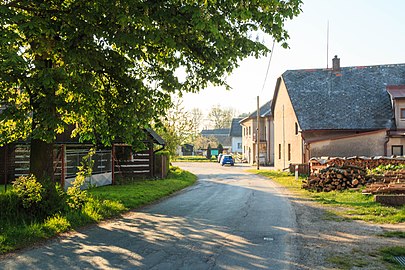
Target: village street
(228, 220)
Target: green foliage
(56, 224)
(19, 229)
(97, 210)
(209, 152)
(220, 148)
(92, 64)
(11, 207)
(139, 193)
(76, 195)
(29, 190)
(384, 168)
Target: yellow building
(249, 136)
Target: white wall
(235, 148)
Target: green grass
(194, 159)
(140, 193)
(398, 234)
(388, 254)
(355, 205)
(105, 202)
(2, 189)
(343, 263)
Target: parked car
(219, 157)
(227, 159)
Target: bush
(10, 205)
(29, 190)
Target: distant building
(236, 136)
(249, 136)
(222, 135)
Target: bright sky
(361, 32)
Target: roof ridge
(347, 67)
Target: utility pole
(258, 135)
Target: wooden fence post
(63, 167)
(113, 164)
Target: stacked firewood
(391, 182)
(381, 188)
(336, 178)
(362, 162)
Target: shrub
(29, 190)
(56, 224)
(10, 205)
(77, 196)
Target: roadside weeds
(342, 230)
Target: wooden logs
(336, 178)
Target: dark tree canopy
(108, 68)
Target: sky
(361, 33)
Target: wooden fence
(119, 160)
(132, 164)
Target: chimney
(336, 64)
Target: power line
(268, 66)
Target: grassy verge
(105, 202)
(388, 254)
(351, 204)
(194, 159)
(139, 193)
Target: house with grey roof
(265, 139)
(342, 111)
(221, 134)
(236, 135)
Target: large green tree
(107, 68)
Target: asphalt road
(229, 220)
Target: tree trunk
(41, 160)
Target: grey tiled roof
(354, 98)
(220, 131)
(265, 110)
(236, 128)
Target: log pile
(336, 178)
(381, 188)
(363, 162)
(394, 176)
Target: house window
(296, 128)
(397, 150)
(250, 131)
(239, 145)
(279, 151)
(402, 116)
(289, 152)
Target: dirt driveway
(325, 238)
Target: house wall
(269, 140)
(249, 147)
(399, 104)
(395, 142)
(247, 140)
(235, 142)
(285, 137)
(366, 144)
